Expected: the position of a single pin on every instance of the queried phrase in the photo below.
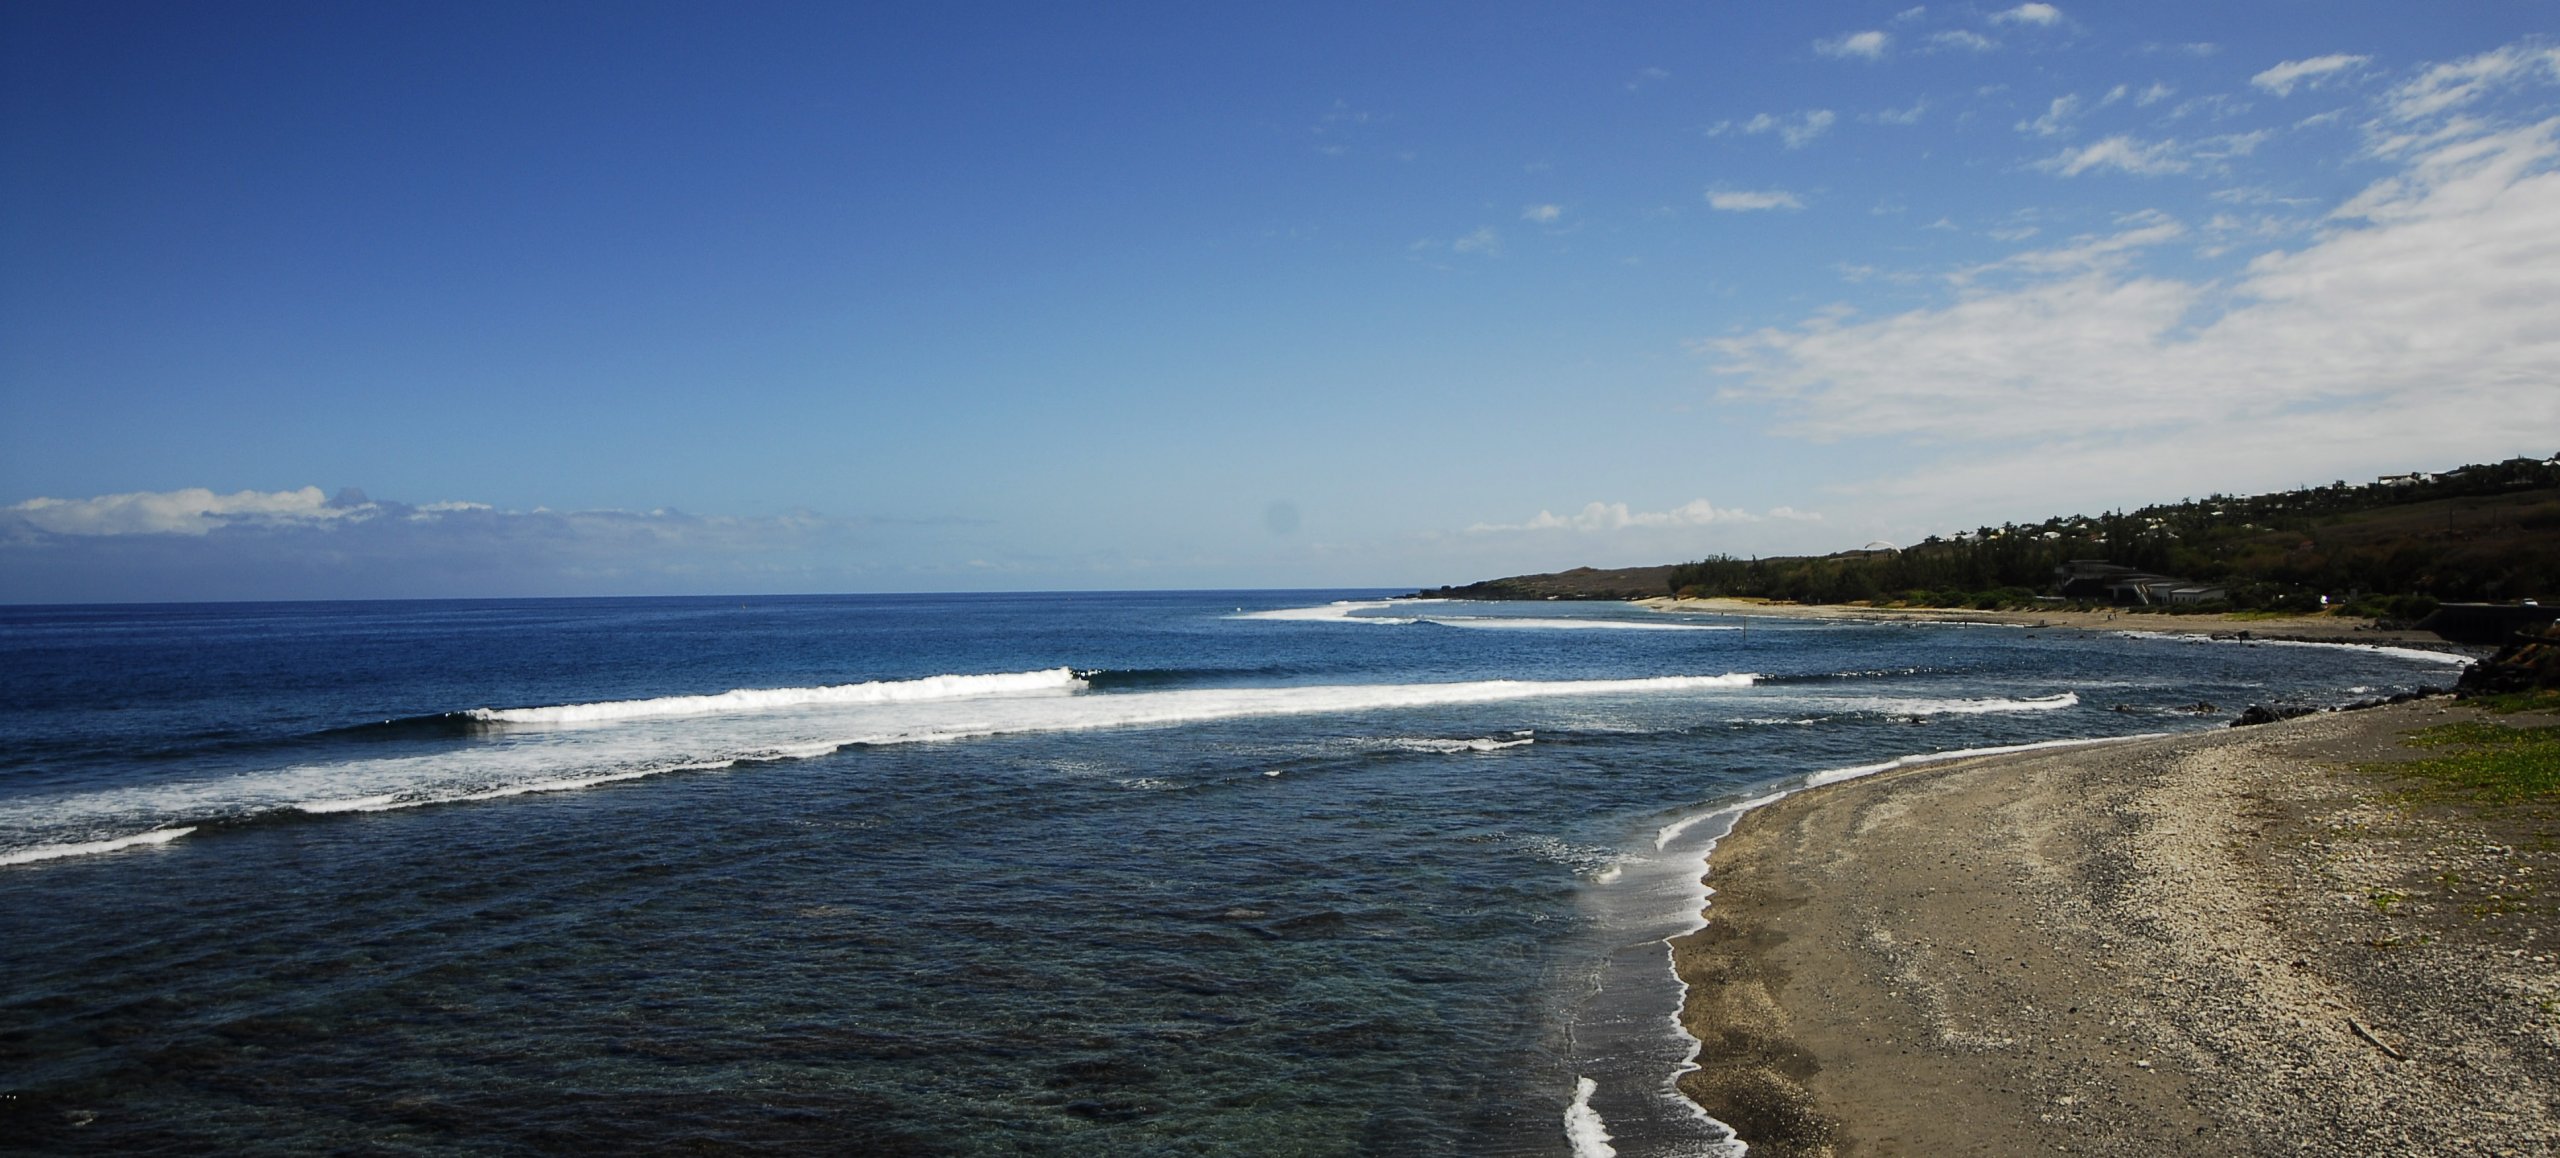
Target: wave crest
(940, 687)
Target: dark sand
(2223, 943)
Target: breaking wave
(612, 742)
(941, 687)
(1924, 706)
(1353, 611)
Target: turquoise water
(1183, 873)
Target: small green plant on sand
(2487, 763)
(2382, 901)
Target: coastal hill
(2392, 548)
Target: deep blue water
(1167, 877)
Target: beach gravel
(2228, 942)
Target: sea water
(1162, 873)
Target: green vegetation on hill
(2483, 532)
(2383, 549)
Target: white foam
(1917, 706)
(387, 800)
(1836, 775)
(1435, 744)
(1356, 611)
(523, 761)
(1340, 611)
(1582, 1125)
(1668, 832)
(940, 687)
(1498, 623)
(1694, 893)
(86, 848)
(2418, 654)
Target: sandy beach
(2229, 942)
(2318, 628)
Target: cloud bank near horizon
(303, 543)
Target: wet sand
(2318, 628)
(2228, 942)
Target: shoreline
(2280, 629)
(2219, 940)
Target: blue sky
(642, 298)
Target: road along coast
(2229, 942)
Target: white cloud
(1484, 240)
(2422, 306)
(2229, 145)
(2136, 231)
(193, 543)
(2458, 83)
(1748, 200)
(1604, 517)
(1543, 214)
(2056, 120)
(2039, 14)
(2141, 158)
(2153, 95)
(193, 511)
(1869, 45)
(1963, 39)
(2310, 73)
(1909, 116)
(1646, 76)
(2257, 195)
(1796, 129)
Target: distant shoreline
(2219, 942)
(2293, 628)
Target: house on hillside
(2124, 586)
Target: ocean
(1131, 874)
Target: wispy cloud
(1483, 241)
(2089, 251)
(1750, 200)
(193, 511)
(2311, 73)
(1797, 129)
(1963, 40)
(1868, 45)
(2122, 153)
(2455, 84)
(2423, 304)
(2043, 15)
(194, 543)
(1543, 214)
(1909, 116)
(1647, 76)
(2056, 120)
